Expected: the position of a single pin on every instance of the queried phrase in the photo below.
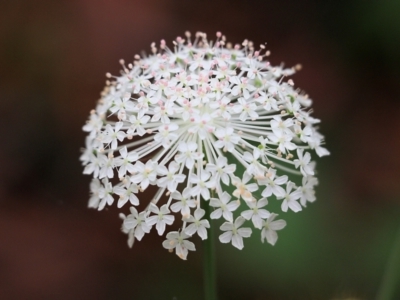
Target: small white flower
(281, 127)
(202, 125)
(145, 174)
(197, 225)
(184, 202)
(234, 234)
(283, 140)
(256, 213)
(270, 227)
(242, 86)
(145, 101)
(267, 102)
(273, 185)
(245, 109)
(127, 193)
(113, 135)
(137, 124)
(93, 166)
(121, 105)
(307, 190)
(303, 162)
(107, 165)
(105, 194)
(135, 224)
(290, 199)
(171, 180)
(221, 109)
(221, 170)
(94, 125)
(202, 185)
(124, 162)
(166, 135)
(188, 156)
(243, 189)
(315, 143)
(255, 167)
(162, 112)
(227, 139)
(225, 208)
(177, 241)
(303, 133)
(161, 219)
(95, 187)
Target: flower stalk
(209, 262)
(391, 276)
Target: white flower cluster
(196, 122)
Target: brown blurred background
(53, 57)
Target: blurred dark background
(53, 57)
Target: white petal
(199, 213)
(216, 214)
(271, 236)
(244, 232)
(237, 241)
(177, 206)
(205, 193)
(123, 151)
(257, 221)
(130, 223)
(122, 201)
(281, 180)
(169, 219)
(151, 220)
(164, 209)
(202, 232)
(189, 245)
(191, 229)
(139, 232)
(226, 237)
(169, 244)
(225, 197)
(131, 239)
(226, 226)
(247, 214)
(160, 227)
(181, 252)
(154, 208)
(277, 225)
(262, 202)
(295, 206)
(239, 221)
(228, 215)
(263, 213)
(225, 178)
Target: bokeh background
(53, 57)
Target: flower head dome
(207, 124)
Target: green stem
(209, 272)
(390, 279)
